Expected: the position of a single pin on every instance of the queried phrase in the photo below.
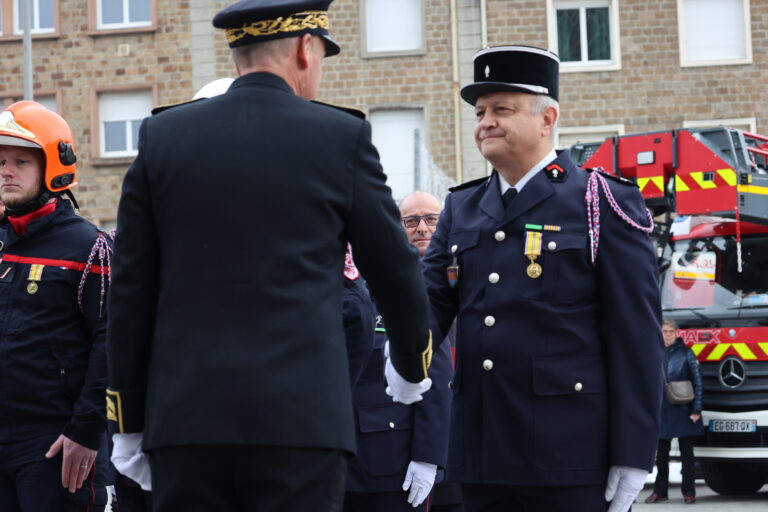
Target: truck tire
(729, 479)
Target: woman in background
(682, 421)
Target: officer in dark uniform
(401, 449)
(359, 319)
(53, 275)
(553, 280)
(226, 350)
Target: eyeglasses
(413, 221)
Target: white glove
(400, 389)
(420, 477)
(130, 460)
(624, 484)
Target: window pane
(568, 35)
(48, 102)
(393, 25)
(125, 106)
(598, 34)
(714, 30)
(46, 13)
(111, 11)
(114, 136)
(138, 10)
(22, 14)
(135, 125)
(395, 133)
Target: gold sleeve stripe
(426, 356)
(115, 409)
(306, 20)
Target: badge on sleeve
(350, 269)
(6, 272)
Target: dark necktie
(508, 196)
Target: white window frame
(613, 17)
(729, 123)
(35, 25)
(367, 54)
(422, 109)
(616, 129)
(126, 12)
(103, 153)
(684, 63)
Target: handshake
(400, 389)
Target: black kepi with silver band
(514, 68)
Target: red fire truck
(708, 188)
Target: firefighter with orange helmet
(54, 270)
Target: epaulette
(349, 110)
(619, 179)
(163, 108)
(469, 184)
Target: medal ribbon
(35, 272)
(532, 244)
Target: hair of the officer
(539, 103)
(262, 53)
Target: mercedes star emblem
(732, 373)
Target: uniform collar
(504, 185)
(261, 79)
(8, 233)
(20, 223)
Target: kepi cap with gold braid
(253, 21)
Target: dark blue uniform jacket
(675, 419)
(557, 378)
(53, 369)
(359, 321)
(390, 435)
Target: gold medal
(533, 251)
(534, 270)
(35, 274)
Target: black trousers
(247, 479)
(661, 486)
(31, 483)
(395, 501)
(513, 498)
(130, 496)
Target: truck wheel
(729, 479)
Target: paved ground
(706, 501)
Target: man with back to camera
(257, 415)
(400, 447)
(54, 268)
(554, 287)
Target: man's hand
(76, 461)
(420, 477)
(130, 460)
(624, 484)
(400, 389)
(695, 417)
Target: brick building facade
(629, 66)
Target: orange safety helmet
(30, 124)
